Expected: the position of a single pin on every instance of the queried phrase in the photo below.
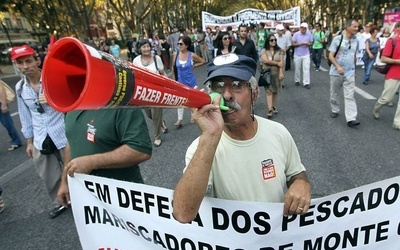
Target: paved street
(337, 157)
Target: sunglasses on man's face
(180, 44)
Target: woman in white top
(154, 64)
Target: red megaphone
(77, 76)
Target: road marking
(356, 89)
(16, 171)
(364, 94)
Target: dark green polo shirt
(98, 131)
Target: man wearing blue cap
(239, 156)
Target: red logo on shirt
(268, 169)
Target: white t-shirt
(361, 39)
(151, 67)
(255, 169)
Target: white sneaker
(157, 142)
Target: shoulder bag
(383, 68)
(155, 63)
(337, 50)
(265, 77)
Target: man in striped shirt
(42, 126)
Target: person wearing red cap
(42, 126)
(239, 156)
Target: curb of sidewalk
(15, 172)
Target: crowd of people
(80, 141)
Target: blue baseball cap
(237, 66)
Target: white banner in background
(270, 17)
(360, 55)
(111, 214)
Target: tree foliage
(71, 17)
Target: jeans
(8, 123)
(368, 64)
(259, 48)
(210, 55)
(316, 57)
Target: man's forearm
(67, 159)
(301, 176)
(389, 60)
(29, 141)
(123, 156)
(192, 187)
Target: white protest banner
(360, 55)
(271, 18)
(361, 48)
(111, 214)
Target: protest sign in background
(271, 18)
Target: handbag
(10, 94)
(381, 67)
(265, 77)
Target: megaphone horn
(77, 76)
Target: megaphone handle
(221, 102)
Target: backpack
(10, 94)
(320, 36)
(232, 38)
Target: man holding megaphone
(239, 156)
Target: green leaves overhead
(143, 17)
